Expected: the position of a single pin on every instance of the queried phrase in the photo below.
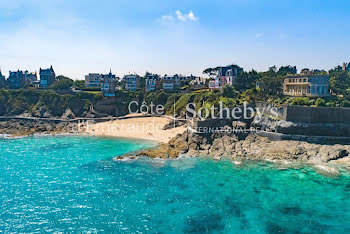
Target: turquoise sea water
(71, 184)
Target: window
(318, 90)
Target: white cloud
(166, 19)
(180, 16)
(192, 17)
(186, 17)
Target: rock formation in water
(252, 147)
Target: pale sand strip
(147, 128)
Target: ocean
(72, 184)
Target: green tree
(284, 70)
(79, 84)
(62, 83)
(246, 80)
(339, 81)
(211, 72)
(229, 91)
(271, 84)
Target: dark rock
(68, 114)
(174, 124)
(291, 210)
(275, 228)
(204, 224)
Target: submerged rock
(327, 170)
(124, 158)
(204, 223)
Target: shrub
(170, 102)
(345, 103)
(312, 102)
(161, 98)
(330, 104)
(15, 102)
(300, 101)
(320, 102)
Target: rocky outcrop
(253, 147)
(29, 127)
(68, 114)
(42, 112)
(175, 124)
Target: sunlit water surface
(71, 184)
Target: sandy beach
(138, 126)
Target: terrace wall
(316, 114)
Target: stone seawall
(326, 140)
(317, 114)
(320, 123)
(307, 114)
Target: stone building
(47, 77)
(226, 76)
(108, 84)
(30, 77)
(16, 80)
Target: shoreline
(82, 134)
(325, 170)
(158, 128)
(168, 140)
(133, 127)
(11, 136)
(325, 158)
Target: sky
(78, 37)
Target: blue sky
(166, 37)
